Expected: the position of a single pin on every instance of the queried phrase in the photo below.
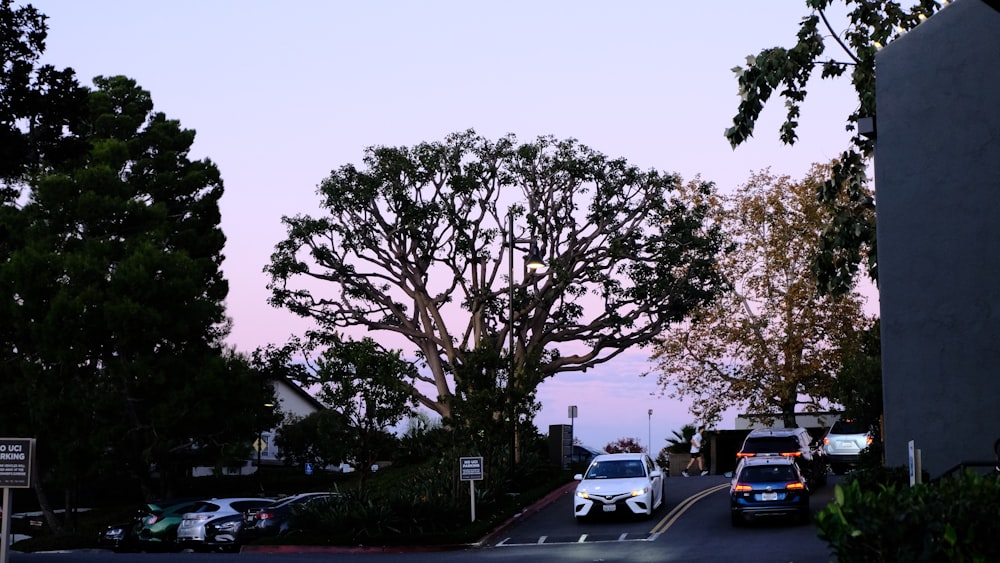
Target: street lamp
(649, 442)
(533, 262)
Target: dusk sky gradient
(281, 93)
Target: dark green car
(158, 529)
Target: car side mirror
(578, 477)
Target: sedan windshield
(616, 469)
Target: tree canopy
(114, 305)
(770, 343)
(42, 109)
(415, 245)
(848, 239)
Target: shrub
(955, 519)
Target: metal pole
(649, 443)
(510, 327)
(5, 526)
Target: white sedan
(619, 483)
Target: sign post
(471, 470)
(17, 463)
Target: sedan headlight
(639, 492)
(582, 494)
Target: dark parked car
(275, 519)
(768, 486)
(793, 443)
(222, 533)
(123, 536)
(147, 529)
(584, 454)
(158, 528)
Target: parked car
(214, 524)
(158, 528)
(768, 486)
(844, 443)
(222, 533)
(123, 536)
(275, 519)
(795, 443)
(149, 527)
(584, 454)
(627, 483)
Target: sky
(281, 93)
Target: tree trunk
(50, 516)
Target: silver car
(844, 443)
(196, 529)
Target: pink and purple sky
(282, 93)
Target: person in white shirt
(696, 441)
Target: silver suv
(844, 443)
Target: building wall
(937, 172)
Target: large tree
(848, 239)
(770, 343)
(416, 245)
(114, 297)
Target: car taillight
(795, 486)
(744, 454)
(791, 454)
(264, 515)
(868, 440)
(826, 441)
(742, 488)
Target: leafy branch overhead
(415, 246)
(849, 237)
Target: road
(693, 526)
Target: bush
(955, 519)
(420, 505)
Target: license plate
(609, 508)
(769, 496)
(845, 444)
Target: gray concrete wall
(937, 172)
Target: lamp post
(649, 442)
(533, 263)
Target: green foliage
(322, 438)
(370, 387)
(955, 519)
(849, 238)
(50, 100)
(114, 299)
(680, 441)
(420, 505)
(490, 413)
(858, 386)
